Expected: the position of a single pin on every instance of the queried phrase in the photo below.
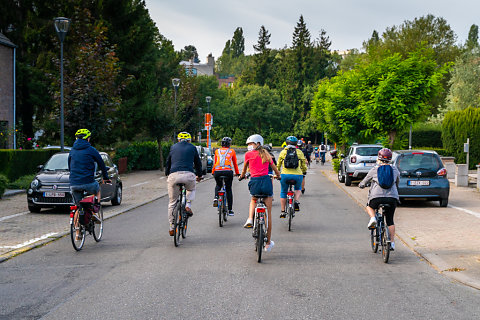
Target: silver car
(359, 160)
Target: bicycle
(222, 203)
(290, 203)
(180, 216)
(380, 234)
(260, 222)
(83, 221)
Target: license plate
(418, 182)
(369, 164)
(54, 194)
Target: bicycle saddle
(386, 205)
(260, 196)
(291, 182)
(223, 177)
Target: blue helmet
(291, 140)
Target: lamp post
(208, 99)
(200, 127)
(61, 27)
(175, 84)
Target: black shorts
(389, 212)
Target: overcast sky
(208, 24)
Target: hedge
(3, 184)
(425, 135)
(456, 128)
(17, 163)
(141, 155)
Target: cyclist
(292, 169)
(323, 150)
(180, 169)
(225, 160)
(81, 164)
(258, 160)
(317, 154)
(300, 145)
(309, 149)
(378, 195)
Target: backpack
(291, 159)
(322, 147)
(385, 176)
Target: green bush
(423, 134)
(336, 165)
(22, 182)
(3, 184)
(166, 150)
(141, 155)
(18, 163)
(456, 128)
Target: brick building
(6, 92)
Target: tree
(233, 62)
(472, 41)
(189, 52)
(261, 59)
(237, 45)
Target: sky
(208, 24)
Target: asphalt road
(323, 269)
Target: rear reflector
(417, 152)
(262, 210)
(221, 193)
(442, 172)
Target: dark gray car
(422, 176)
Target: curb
(432, 259)
(9, 255)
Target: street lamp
(175, 84)
(61, 27)
(208, 99)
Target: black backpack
(385, 176)
(291, 159)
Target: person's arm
(101, 164)
(235, 165)
(69, 158)
(198, 163)
(168, 165)
(274, 168)
(245, 167)
(367, 178)
(303, 162)
(281, 157)
(214, 161)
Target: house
(225, 81)
(7, 89)
(200, 69)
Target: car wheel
(117, 198)
(348, 180)
(341, 177)
(444, 202)
(34, 209)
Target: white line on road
(26, 243)
(473, 213)
(139, 184)
(13, 216)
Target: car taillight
(442, 172)
(262, 210)
(72, 210)
(353, 159)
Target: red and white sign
(208, 121)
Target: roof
(411, 151)
(366, 145)
(6, 42)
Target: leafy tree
(262, 59)
(233, 62)
(189, 52)
(465, 81)
(237, 45)
(472, 41)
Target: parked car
(422, 175)
(209, 159)
(51, 187)
(203, 158)
(49, 147)
(359, 160)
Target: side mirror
(40, 167)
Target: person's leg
(283, 192)
(299, 185)
(228, 187)
(173, 193)
(218, 181)
(268, 203)
(251, 209)
(371, 212)
(189, 179)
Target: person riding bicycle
(291, 162)
(323, 151)
(300, 145)
(225, 160)
(180, 169)
(81, 164)
(380, 193)
(258, 160)
(309, 149)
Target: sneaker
(297, 205)
(189, 211)
(372, 223)
(170, 232)
(303, 191)
(96, 219)
(269, 247)
(283, 214)
(215, 202)
(392, 246)
(231, 213)
(248, 223)
(78, 237)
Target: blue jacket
(81, 163)
(183, 155)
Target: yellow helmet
(83, 134)
(184, 136)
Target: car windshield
(415, 161)
(207, 151)
(58, 161)
(368, 151)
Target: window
(415, 161)
(368, 151)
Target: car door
(109, 189)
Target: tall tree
(472, 41)
(261, 58)
(238, 43)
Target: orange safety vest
(223, 159)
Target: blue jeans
(283, 182)
(90, 188)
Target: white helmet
(255, 138)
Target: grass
(22, 182)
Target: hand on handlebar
(278, 177)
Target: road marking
(139, 184)
(13, 216)
(26, 243)
(473, 213)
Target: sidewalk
(447, 238)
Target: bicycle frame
(180, 226)
(222, 203)
(381, 231)
(260, 224)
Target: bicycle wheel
(225, 208)
(385, 246)
(176, 225)
(260, 240)
(77, 244)
(290, 217)
(98, 227)
(184, 224)
(374, 240)
(220, 211)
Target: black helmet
(226, 142)
(268, 147)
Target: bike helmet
(291, 140)
(299, 143)
(385, 155)
(316, 148)
(226, 142)
(256, 138)
(268, 147)
(184, 136)
(83, 134)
